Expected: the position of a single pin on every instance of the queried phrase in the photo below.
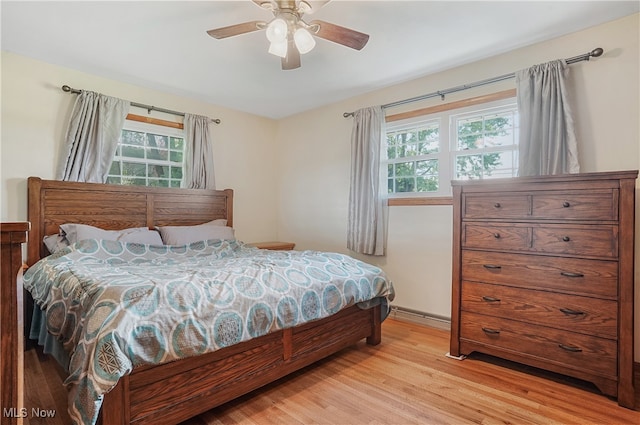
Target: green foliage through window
(412, 164)
(146, 157)
(424, 154)
(486, 145)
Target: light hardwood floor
(405, 380)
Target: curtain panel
(92, 137)
(197, 167)
(366, 226)
(547, 142)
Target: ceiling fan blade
(292, 60)
(341, 35)
(237, 29)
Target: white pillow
(183, 235)
(74, 232)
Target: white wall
(34, 115)
(315, 151)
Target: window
(413, 157)
(148, 155)
(486, 144)
(425, 153)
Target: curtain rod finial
(66, 88)
(597, 52)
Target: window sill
(441, 200)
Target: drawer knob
(491, 331)
(571, 274)
(490, 299)
(565, 204)
(570, 312)
(570, 348)
(496, 235)
(491, 266)
(566, 238)
(497, 205)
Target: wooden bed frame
(175, 391)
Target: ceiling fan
(289, 35)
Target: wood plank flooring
(405, 380)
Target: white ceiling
(163, 45)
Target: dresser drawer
(600, 204)
(587, 241)
(496, 205)
(567, 349)
(576, 205)
(496, 236)
(595, 278)
(561, 239)
(589, 316)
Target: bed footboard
(173, 392)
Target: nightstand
(274, 245)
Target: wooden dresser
(543, 274)
(12, 326)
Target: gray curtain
(197, 168)
(547, 139)
(366, 227)
(92, 137)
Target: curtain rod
(585, 57)
(149, 108)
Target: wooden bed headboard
(116, 207)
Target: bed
(173, 391)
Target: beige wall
(291, 176)
(314, 160)
(34, 115)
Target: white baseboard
(401, 313)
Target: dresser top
(558, 178)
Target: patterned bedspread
(117, 305)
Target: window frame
(411, 124)
(496, 107)
(448, 151)
(147, 127)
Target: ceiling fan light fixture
(304, 40)
(289, 35)
(277, 30)
(279, 48)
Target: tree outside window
(148, 155)
(424, 155)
